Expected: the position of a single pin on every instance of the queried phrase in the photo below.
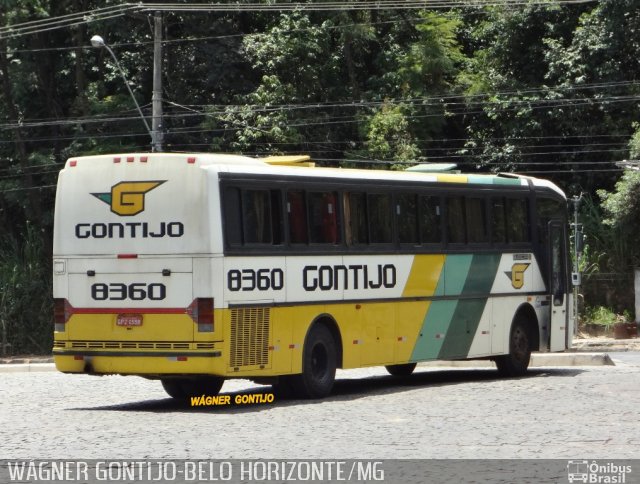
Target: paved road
(566, 413)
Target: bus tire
(185, 388)
(404, 369)
(520, 343)
(319, 362)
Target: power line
(341, 6)
(63, 21)
(105, 13)
(415, 102)
(169, 42)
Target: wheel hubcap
(520, 344)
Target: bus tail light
(201, 311)
(61, 313)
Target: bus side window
(297, 212)
(430, 220)
(517, 220)
(357, 217)
(323, 219)
(262, 217)
(277, 223)
(476, 217)
(256, 216)
(498, 221)
(407, 218)
(456, 226)
(232, 216)
(548, 209)
(381, 225)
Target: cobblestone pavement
(579, 412)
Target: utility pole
(157, 129)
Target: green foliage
(623, 204)
(600, 315)
(608, 259)
(548, 89)
(25, 294)
(606, 249)
(622, 207)
(431, 63)
(387, 136)
(634, 144)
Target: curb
(537, 360)
(27, 367)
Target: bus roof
(300, 165)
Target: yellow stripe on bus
(453, 178)
(424, 276)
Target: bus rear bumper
(142, 364)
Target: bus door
(557, 284)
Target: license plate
(129, 320)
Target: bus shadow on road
(349, 389)
(345, 389)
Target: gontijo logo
(127, 198)
(516, 274)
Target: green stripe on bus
(493, 180)
(449, 326)
(481, 274)
(438, 318)
(486, 180)
(456, 269)
(462, 329)
(434, 329)
(466, 317)
(506, 181)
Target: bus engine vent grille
(250, 336)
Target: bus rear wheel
(319, 362)
(520, 343)
(401, 370)
(185, 388)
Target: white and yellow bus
(195, 268)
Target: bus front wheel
(319, 362)
(520, 342)
(185, 388)
(401, 370)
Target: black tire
(520, 343)
(319, 362)
(185, 388)
(401, 370)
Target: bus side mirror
(576, 278)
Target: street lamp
(98, 42)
